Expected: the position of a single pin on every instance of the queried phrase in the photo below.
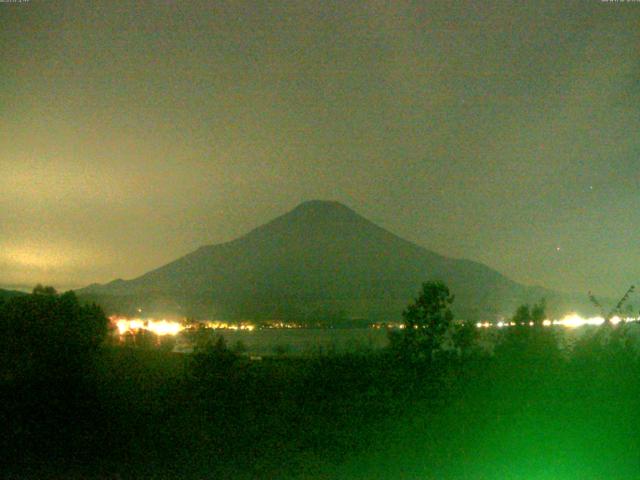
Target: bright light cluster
(166, 327)
(281, 325)
(230, 326)
(159, 327)
(573, 320)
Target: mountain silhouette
(320, 262)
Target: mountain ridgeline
(7, 294)
(319, 263)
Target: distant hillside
(319, 262)
(5, 294)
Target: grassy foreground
(520, 414)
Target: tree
(539, 312)
(426, 322)
(49, 346)
(522, 315)
(526, 314)
(212, 359)
(42, 290)
(465, 335)
(240, 348)
(49, 336)
(615, 311)
(606, 340)
(527, 340)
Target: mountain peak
(320, 216)
(321, 206)
(322, 209)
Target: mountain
(319, 262)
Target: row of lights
(165, 327)
(571, 321)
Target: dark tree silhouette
(608, 341)
(42, 290)
(616, 310)
(211, 359)
(464, 338)
(426, 322)
(49, 347)
(46, 335)
(526, 314)
(528, 340)
(539, 312)
(522, 315)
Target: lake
(305, 341)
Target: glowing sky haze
(132, 133)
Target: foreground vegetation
(433, 405)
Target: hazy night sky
(132, 133)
